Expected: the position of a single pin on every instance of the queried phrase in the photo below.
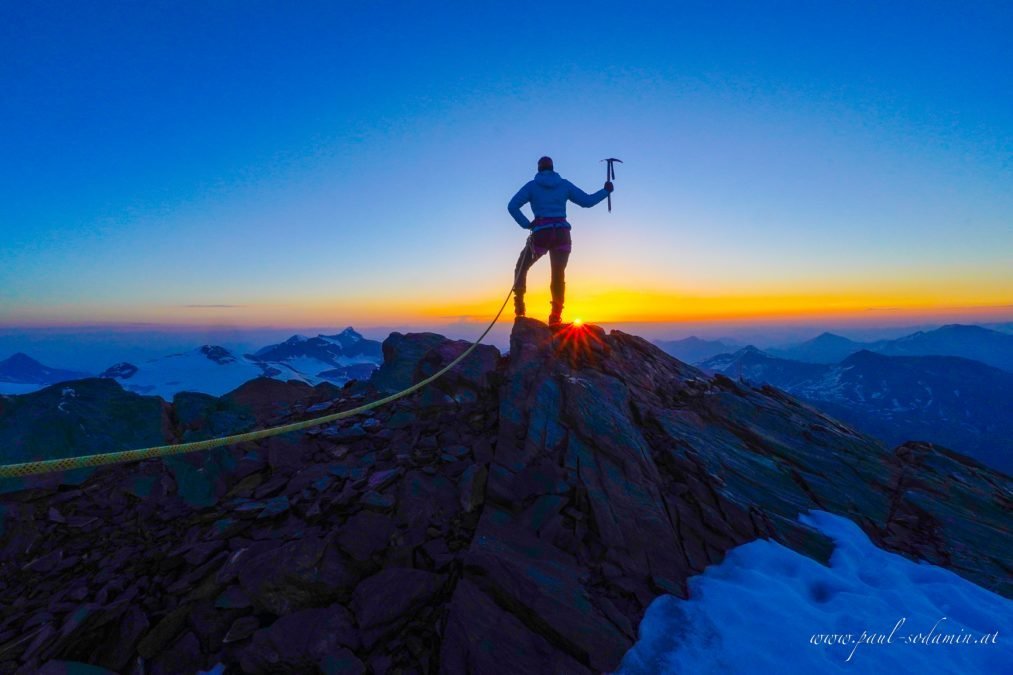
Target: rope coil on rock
(101, 459)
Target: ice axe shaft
(610, 174)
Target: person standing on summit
(550, 232)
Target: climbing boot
(558, 293)
(556, 317)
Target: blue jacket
(548, 194)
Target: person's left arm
(514, 207)
(581, 198)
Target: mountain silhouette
(970, 342)
(23, 369)
(956, 402)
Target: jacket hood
(548, 179)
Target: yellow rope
(80, 462)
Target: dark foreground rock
(517, 516)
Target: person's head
(545, 164)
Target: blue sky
(350, 163)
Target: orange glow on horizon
(618, 306)
(611, 306)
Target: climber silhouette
(550, 231)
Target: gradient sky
(253, 163)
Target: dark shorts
(551, 239)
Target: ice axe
(610, 174)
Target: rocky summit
(516, 516)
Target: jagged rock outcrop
(517, 516)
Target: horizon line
(759, 322)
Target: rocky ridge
(516, 516)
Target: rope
(84, 461)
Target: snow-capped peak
(345, 338)
(120, 371)
(219, 355)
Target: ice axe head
(610, 170)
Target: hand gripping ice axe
(610, 174)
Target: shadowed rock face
(517, 516)
(77, 417)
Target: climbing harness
(86, 461)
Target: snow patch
(764, 608)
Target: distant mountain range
(825, 348)
(334, 358)
(214, 370)
(694, 349)
(345, 348)
(970, 342)
(21, 374)
(992, 347)
(952, 401)
(209, 369)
